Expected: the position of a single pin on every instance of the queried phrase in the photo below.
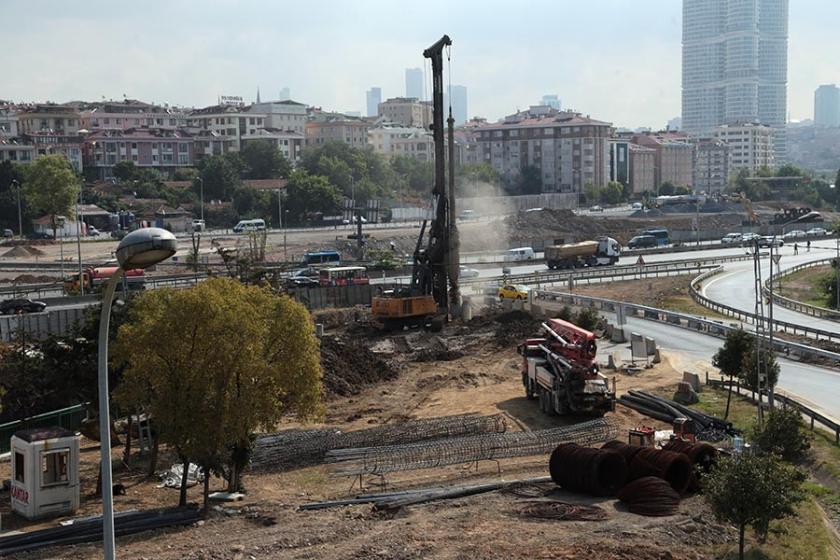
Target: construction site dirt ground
(481, 375)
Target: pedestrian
(795, 249)
(809, 245)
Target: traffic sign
(776, 258)
(640, 261)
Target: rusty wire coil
(701, 455)
(650, 496)
(627, 450)
(563, 511)
(674, 468)
(597, 472)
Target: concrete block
(650, 344)
(656, 357)
(692, 379)
(685, 394)
(618, 335)
(614, 361)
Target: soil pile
(23, 251)
(349, 367)
(515, 326)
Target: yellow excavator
(752, 218)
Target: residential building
(414, 83)
(619, 160)
(408, 111)
(459, 104)
(287, 142)
(551, 100)
(711, 165)
(127, 114)
(281, 115)
(325, 127)
(569, 149)
(392, 139)
(827, 106)
(164, 150)
(16, 150)
(750, 146)
(673, 158)
(8, 121)
(46, 117)
(231, 121)
(735, 65)
(48, 143)
(642, 169)
(373, 98)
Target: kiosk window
(20, 471)
(54, 467)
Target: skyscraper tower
(735, 66)
(374, 98)
(827, 106)
(414, 83)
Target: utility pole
(837, 274)
(79, 242)
(199, 179)
(759, 329)
(20, 219)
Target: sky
(616, 60)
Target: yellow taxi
(513, 291)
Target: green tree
(729, 359)
(783, 433)
(666, 189)
(682, 191)
(263, 160)
(749, 369)
(220, 177)
(52, 187)
(529, 180)
(592, 192)
(307, 194)
(10, 172)
(185, 174)
(751, 491)
(612, 193)
(125, 170)
(837, 180)
(587, 318)
(214, 363)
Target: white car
(465, 272)
(93, 232)
(794, 234)
(730, 238)
(816, 232)
(749, 238)
(637, 206)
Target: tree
(307, 194)
(125, 170)
(666, 189)
(263, 160)
(216, 362)
(52, 187)
(682, 191)
(749, 370)
(529, 180)
(220, 177)
(729, 359)
(185, 174)
(612, 193)
(587, 318)
(9, 196)
(752, 490)
(783, 434)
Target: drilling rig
(433, 295)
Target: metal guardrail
(810, 413)
(747, 317)
(799, 306)
(682, 320)
(69, 418)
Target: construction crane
(433, 294)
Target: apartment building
(130, 114)
(391, 139)
(287, 142)
(8, 121)
(673, 158)
(164, 150)
(283, 115)
(230, 121)
(569, 149)
(408, 111)
(642, 169)
(48, 117)
(325, 127)
(750, 146)
(711, 165)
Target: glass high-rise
(827, 106)
(735, 66)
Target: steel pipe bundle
(709, 428)
(453, 451)
(299, 448)
(650, 496)
(675, 468)
(90, 530)
(597, 472)
(701, 455)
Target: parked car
(637, 206)
(21, 305)
(308, 272)
(40, 235)
(596, 208)
(302, 282)
(8, 234)
(816, 232)
(730, 238)
(465, 272)
(794, 234)
(93, 232)
(770, 240)
(199, 225)
(642, 242)
(748, 239)
(513, 291)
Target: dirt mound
(515, 326)
(19, 251)
(34, 279)
(349, 367)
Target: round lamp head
(146, 247)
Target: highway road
(815, 385)
(736, 287)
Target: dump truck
(601, 252)
(561, 371)
(94, 279)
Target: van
(642, 242)
(249, 225)
(520, 254)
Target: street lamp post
(139, 249)
(20, 219)
(200, 180)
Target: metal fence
(799, 306)
(69, 418)
(38, 326)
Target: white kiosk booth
(45, 472)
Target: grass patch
(684, 304)
(806, 285)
